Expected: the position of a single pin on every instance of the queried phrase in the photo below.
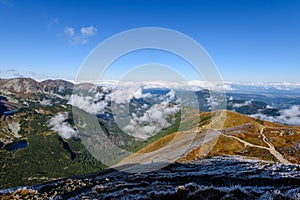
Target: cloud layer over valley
(290, 116)
(64, 129)
(153, 120)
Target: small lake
(16, 145)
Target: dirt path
(183, 143)
(271, 148)
(245, 142)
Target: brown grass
(158, 144)
(230, 146)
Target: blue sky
(249, 40)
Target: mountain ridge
(240, 136)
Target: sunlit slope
(240, 135)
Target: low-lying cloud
(64, 129)
(125, 94)
(154, 119)
(89, 104)
(191, 85)
(290, 116)
(238, 105)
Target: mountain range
(43, 124)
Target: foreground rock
(214, 178)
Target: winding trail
(271, 148)
(245, 142)
(183, 143)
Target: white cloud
(153, 120)
(211, 85)
(290, 116)
(82, 37)
(211, 101)
(227, 87)
(171, 95)
(70, 31)
(190, 85)
(125, 93)
(64, 129)
(238, 105)
(88, 31)
(269, 107)
(78, 40)
(195, 85)
(89, 104)
(138, 94)
(273, 85)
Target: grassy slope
(231, 146)
(166, 136)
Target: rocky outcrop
(9, 129)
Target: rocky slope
(26, 87)
(213, 178)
